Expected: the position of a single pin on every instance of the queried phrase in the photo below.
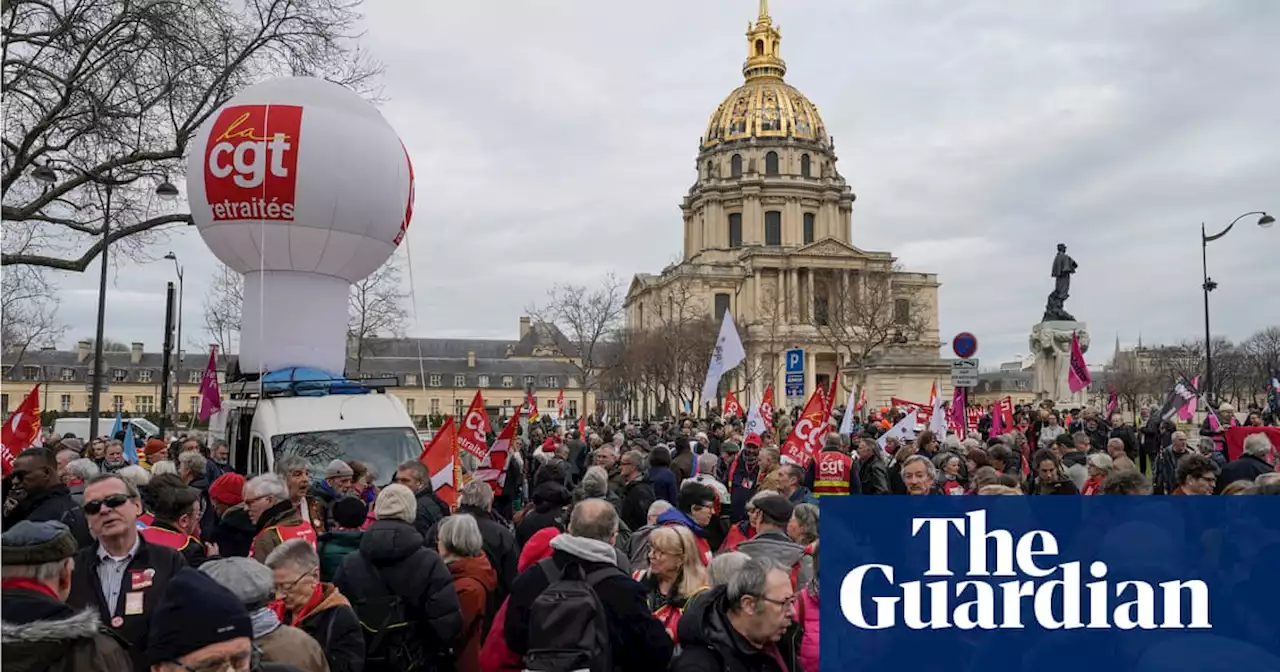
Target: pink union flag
(1188, 410)
(210, 396)
(958, 418)
(1078, 376)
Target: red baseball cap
(752, 439)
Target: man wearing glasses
(122, 575)
(746, 624)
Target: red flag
(441, 458)
(933, 396)
(582, 427)
(806, 436)
(731, 405)
(1112, 401)
(997, 420)
(766, 408)
(959, 420)
(533, 407)
(829, 401)
(862, 399)
(494, 465)
(1078, 376)
(1006, 413)
(210, 396)
(560, 406)
(475, 427)
(21, 429)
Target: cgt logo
(251, 162)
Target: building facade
(768, 237)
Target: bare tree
(765, 336)
(377, 309)
(28, 312)
(109, 93)
(863, 317)
(1263, 351)
(222, 305)
(108, 344)
(586, 316)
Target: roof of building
(1004, 381)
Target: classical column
(812, 300)
(810, 374)
(757, 387)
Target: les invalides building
(768, 237)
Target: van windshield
(382, 449)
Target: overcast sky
(553, 141)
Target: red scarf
(28, 584)
(305, 611)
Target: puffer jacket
(39, 634)
(807, 617)
(329, 619)
(709, 644)
(394, 549)
(778, 546)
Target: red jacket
(737, 534)
(494, 655)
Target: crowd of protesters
(685, 544)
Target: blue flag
(115, 429)
(130, 448)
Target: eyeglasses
(251, 500)
(785, 604)
(282, 588)
(237, 663)
(94, 507)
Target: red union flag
(806, 436)
(20, 429)
(475, 427)
(731, 405)
(766, 408)
(251, 161)
(441, 458)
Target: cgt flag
(1078, 376)
(766, 408)
(731, 405)
(21, 429)
(493, 468)
(474, 433)
(806, 436)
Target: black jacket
(1126, 434)
(709, 644)
(637, 640)
(431, 510)
(549, 502)
(1247, 468)
(54, 503)
(234, 532)
(41, 634)
(335, 627)
(395, 550)
(636, 498)
(193, 552)
(86, 591)
(499, 546)
(208, 517)
(874, 476)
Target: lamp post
(1209, 285)
(177, 369)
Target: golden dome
(765, 106)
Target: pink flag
(1214, 423)
(1078, 376)
(958, 418)
(1188, 410)
(997, 420)
(210, 396)
(1112, 402)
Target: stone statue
(1051, 345)
(1063, 267)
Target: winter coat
(474, 581)
(778, 546)
(234, 532)
(281, 514)
(86, 591)
(1164, 473)
(637, 641)
(682, 465)
(334, 625)
(1247, 468)
(499, 547)
(40, 634)
(678, 517)
(739, 533)
(743, 479)
(52, 503)
(290, 645)
(874, 475)
(332, 547)
(495, 656)
(395, 550)
(550, 500)
(807, 617)
(664, 484)
(803, 495)
(708, 643)
(431, 510)
(1126, 434)
(208, 517)
(636, 498)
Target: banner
(210, 396)
(922, 413)
(473, 435)
(727, 354)
(1078, 376)
(494, 465)
(21, 429)
(441, 458)
(1235, 437)
(1188, 411)
(766, 408)
(1048, 584)
(846, 422)
(806, 436)
(731, 405)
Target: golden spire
(763, 48)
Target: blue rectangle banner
(1050, 584)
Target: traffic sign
(795, 360)
(964, 373)
(965, 345)
(795, 385)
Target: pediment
(830, 247)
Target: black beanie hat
(350, 512)
(194, 612)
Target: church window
(759, 47)
(735, 230)
(773, 228)
(901, 311)
(771, 163)
(735, 165)
(808, 228)
(722, 306)
(804, 165)
(708, 175)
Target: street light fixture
(1264, 221)
(166, 190)
(177, 369)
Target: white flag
(938, 421)
(846, 423)
(727, 354)
(755, 421)
(904, 431)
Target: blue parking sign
(795, 360)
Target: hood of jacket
(775, 545)
(477, 569)
(237, 517)
(38, 629)
(676, 516)
(801, 495)
(33, 500)
(280, 513)
(550, 495)
(330, 599)
(389, 541)
(582, 548)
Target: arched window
(808, 227)
(773, 228)
(804, 165)
(771, 163)
(735, 165)
(759, 47)
(708, 168)
(721, 306)
(735, 230)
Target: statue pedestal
(1051, 344)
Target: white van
(142, 428)
(372, 427)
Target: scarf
(28, 584)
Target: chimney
(135, 353)
(84, 349)
(525, 324)
(471, 359)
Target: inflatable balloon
(303, 187)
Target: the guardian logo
(1055, 593)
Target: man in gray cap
(251, 582)
(39, 631)
(336, 483)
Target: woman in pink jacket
(807, 617)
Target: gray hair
(952, 442)
(264, 485)
(708, 464)
(931, 470)
(193, 462)
(658, 507)
(637, 459)
(130, 488)
(1115, 441)
(1178, 435)
(420, 472)
(807, 517)
(290, 463)
(750, 579)
(1101, 461)
(295, 553)
(1080, 437)
(82, 468)
(772, 452)
(46, 572)
(135, 475)
(595, 483)
(71, 454)
(832, 441)
(594, 519)
(1257, 445)
(164, 467)
(724, 566)
(460, 535)
(1207, 446)
(477, 494)
(941, 460)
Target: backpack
(568, 627)
(390, 640)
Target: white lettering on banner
(828, 468)
(988, 605)
(473, 441)
(249, 160)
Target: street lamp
(177, 376)
(1264, 221)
